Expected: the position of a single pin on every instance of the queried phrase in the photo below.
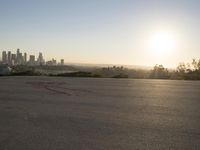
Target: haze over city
(103, 32)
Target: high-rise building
(4, 57)
(18, 51)
(32, 60)
(20, 59)
(62, 62)
(40, 59)
(13, 59)
(54, 62)
(25, 58)
(9, 58)
(49, 63)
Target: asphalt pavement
(50, 113)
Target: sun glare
(162, 43)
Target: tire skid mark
(72, 89)
(52, 89)
(57, 88)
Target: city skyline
(19, 58)
(128, 32)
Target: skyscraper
(13, 59)
(9, 58)
(32, 60)
(25, 58)
(40, 59)
(62, 62)
(4, 57)
(54, 62)
(20, 59)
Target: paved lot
(46, 113)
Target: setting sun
(162, 43)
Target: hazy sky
(101, 31)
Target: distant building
(62, 62)
(9, 58)
(4, 57)
(18, 57)
(25, 58)
(40, 59)
(54, 62)
(49, 63)
(13, 59)
(32, 60)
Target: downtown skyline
(19, 58)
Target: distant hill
(110, 65)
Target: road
(49, 113)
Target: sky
(101, 31)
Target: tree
(187, 72)
(159, 72)
(196, 64)
(181, 68)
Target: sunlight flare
(162, 43)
